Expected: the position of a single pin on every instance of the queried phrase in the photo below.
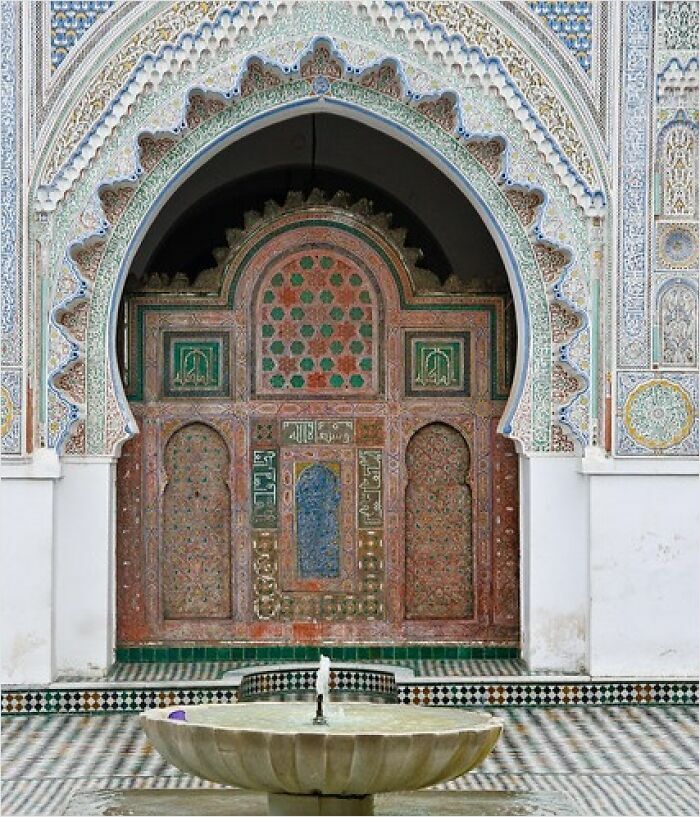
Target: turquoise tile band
(278, 652)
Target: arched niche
(438, 511)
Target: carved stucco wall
(84, 93)
(421, 110)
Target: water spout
(322, 686)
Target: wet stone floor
(604, 760)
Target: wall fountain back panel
(318, 456)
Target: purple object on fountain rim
(178, 715)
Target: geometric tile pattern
(437, 365)
(316, 299)
(657, 414)
(11, 410)
(96, 698)
(356, 684)
(633, 320)
(364, 96)
(572, 22)
(318, 317)
(69, 22)
(196, 365)
(11, 301)
(609, 760)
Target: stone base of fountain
(292, 805)
(228, 802)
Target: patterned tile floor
(610, 760)
(212, 670)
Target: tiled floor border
(109, 698)
(336, 652)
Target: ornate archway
(549, 407)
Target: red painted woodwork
(311, 353)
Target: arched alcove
(311, 342)
(439, 519)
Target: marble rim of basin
(370, 748)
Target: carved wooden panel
(318, 457)
(438, 525)
(196, 525)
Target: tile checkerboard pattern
(138, 686)
(609, 760)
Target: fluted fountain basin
(364, 749)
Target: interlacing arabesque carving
(523, 88)
(317, 71)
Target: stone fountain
(331, 761)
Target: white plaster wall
(84, 566)
(554, 563)
(26, 569)
(644, 572)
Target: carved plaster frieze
(321, 74)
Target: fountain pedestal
(298, 804)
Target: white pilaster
(554, 563)
(26, 567)
(84, 573)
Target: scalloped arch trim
(210, 45)
(123, 203)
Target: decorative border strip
(281, 652)
(424, 692)
(150, 68)
(637, 83)
(359, 683)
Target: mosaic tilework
(11, 410)
(212, 670)
(677, 246)
(344, 684)
(358, 96)
(318, 321)
(475, 25)
(263, 490)
(677, 167)
(678, 324)
(572, 23)
(347, 651)
(650, 767)
(370, 505)
(11, 315)
(70, 20)
(316, 524)
(658, 414)
(196, 364)
(316, 499)
(426, 691)
(679, 24)
(438, 365)
(11, 303)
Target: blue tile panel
(69, 21)
(572, 22)
(317, 497)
